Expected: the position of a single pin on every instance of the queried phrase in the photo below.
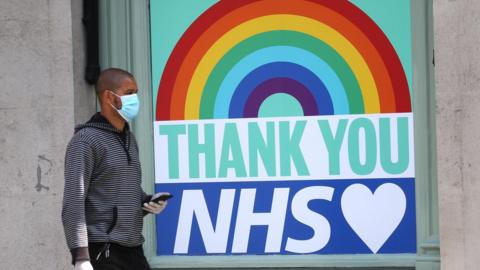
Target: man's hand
(83, 265)
(153, 207)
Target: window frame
(125, 43)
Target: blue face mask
(130, 106)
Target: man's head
(111, 85)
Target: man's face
(127, 87)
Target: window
(125, 43)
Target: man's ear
(110, 97)
(103, 96)
(106, 96)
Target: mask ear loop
(118, 110)
(113, 106)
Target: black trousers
(111, 256)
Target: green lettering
(257, 145)
(290, 148)
(172, 132)
(231, 144)
(333, 142)
(370, 146)
(195, 149)
(402, 144)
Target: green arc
(281, 38)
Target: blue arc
(280, 54)
(280, 70)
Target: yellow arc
(281, 22)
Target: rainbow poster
(283, 127)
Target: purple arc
(280, 85)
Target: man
(104, 204)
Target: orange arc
(268, 7)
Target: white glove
(153, 207)
(83, 265)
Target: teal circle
(280, 105)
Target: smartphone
(163, 197)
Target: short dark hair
(111, 79)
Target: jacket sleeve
(145, 197)
(79, 162)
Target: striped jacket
(102, 196)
